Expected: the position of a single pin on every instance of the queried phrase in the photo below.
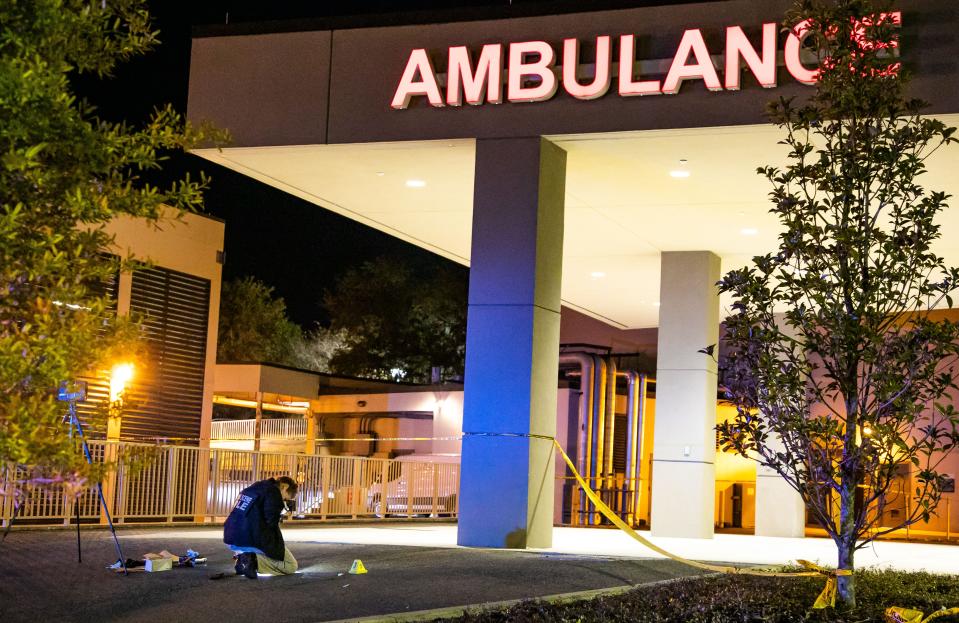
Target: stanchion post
(170, 482)
(357, 472)
(325, 465)
(948, 519)
(6, 504)
(436, 490)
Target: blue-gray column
(512, 344)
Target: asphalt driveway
(40, 579)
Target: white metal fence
(166, 484)
(271, 428)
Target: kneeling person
(252, 530)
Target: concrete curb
(456, 611)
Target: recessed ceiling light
(380, 173)
(597, 275)
(415, 183)
(749, 231)
(681, 172)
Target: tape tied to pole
(826, 599)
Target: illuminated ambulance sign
(532, 75)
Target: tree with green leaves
(254, 326)
(65, 174)
(398, 324)
(841, 373)
(316, 349)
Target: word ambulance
(532, 74)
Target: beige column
(115, 420)
(203, 456)
(109, 480)
(684, 479)
(780, 511)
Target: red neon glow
(866, 45)
(738, 47)
(600, 84)
(792, 51)
(703, 69)
(520, 68)
(627, 58)
(462, 80)
(864, 42)
(419, 63)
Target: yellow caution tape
(826, 599)
(907, 615)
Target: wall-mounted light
(120, 375)
(682, 172)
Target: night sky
(290, 244)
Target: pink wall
(578, 328)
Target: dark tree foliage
(64, 175)
(253, 325)
(397, 324)
(841, 373)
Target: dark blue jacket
(255, 519)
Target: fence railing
(271, 428)
(168, 484)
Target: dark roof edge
(425, 17)
(328, 375)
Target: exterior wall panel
(265, 89)
(336, 86)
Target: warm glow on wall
(121, 374)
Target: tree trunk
(846, 584)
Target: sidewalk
(734, 548)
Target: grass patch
(742, 599)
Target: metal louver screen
(166, 398)
(619, 445)
(98, 387)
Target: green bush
(742, 599)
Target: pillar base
(780, 511)
(689, 515)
